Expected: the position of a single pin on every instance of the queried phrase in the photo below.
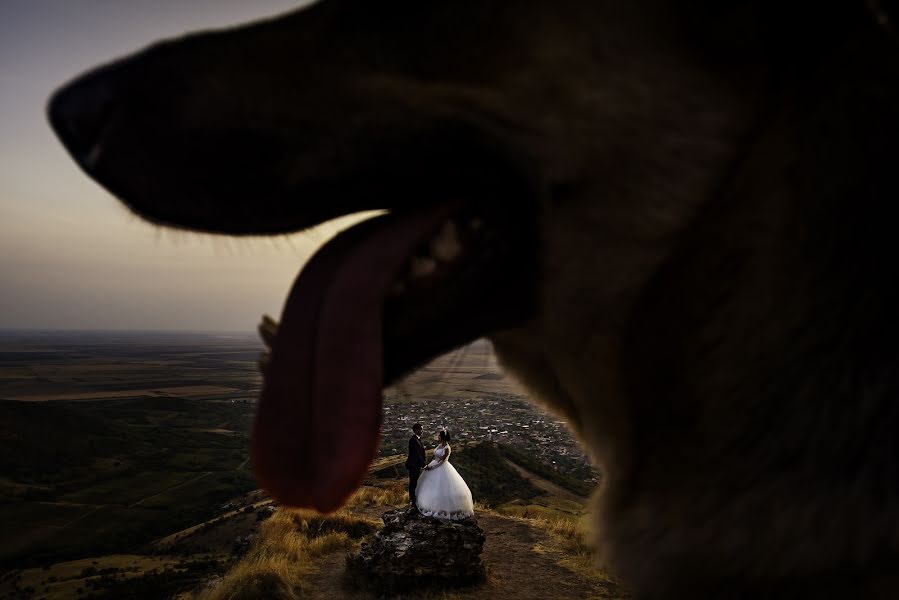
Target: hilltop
(535, 538)
(536, 544)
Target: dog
(675, 221)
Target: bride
(441, 491)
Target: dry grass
(312, 526)
(579, 555)
(391, 493)
(284, 552)
(571, 534)
(572, 540)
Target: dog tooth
(422, 266)
(445, 247)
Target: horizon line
(119, 330)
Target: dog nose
(78, 113)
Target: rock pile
(416, 552)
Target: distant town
(504, 418)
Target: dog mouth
(372, 304)
(378, 300)
(452, 258)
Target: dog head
(648, 206)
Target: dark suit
(414, 464)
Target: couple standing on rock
(436, 488)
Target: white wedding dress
(442, 492)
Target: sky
(72, 257)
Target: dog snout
(78, 113)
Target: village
(502, 418)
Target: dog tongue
(318, 421)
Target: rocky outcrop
(417, 552)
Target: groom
(415, 461)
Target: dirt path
(546, 485)
(521, 562)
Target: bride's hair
(445, 436)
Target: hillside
(526, 558)
(109, 476)
(536, 546)
(536, 543)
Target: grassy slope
(572, 484)
(299, 554)
(488, 476)
(279, 565)
(285, 553)
(133, 471)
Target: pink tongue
(318, 421)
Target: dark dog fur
(716, 191)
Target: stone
(241, 546)
(414, 552)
